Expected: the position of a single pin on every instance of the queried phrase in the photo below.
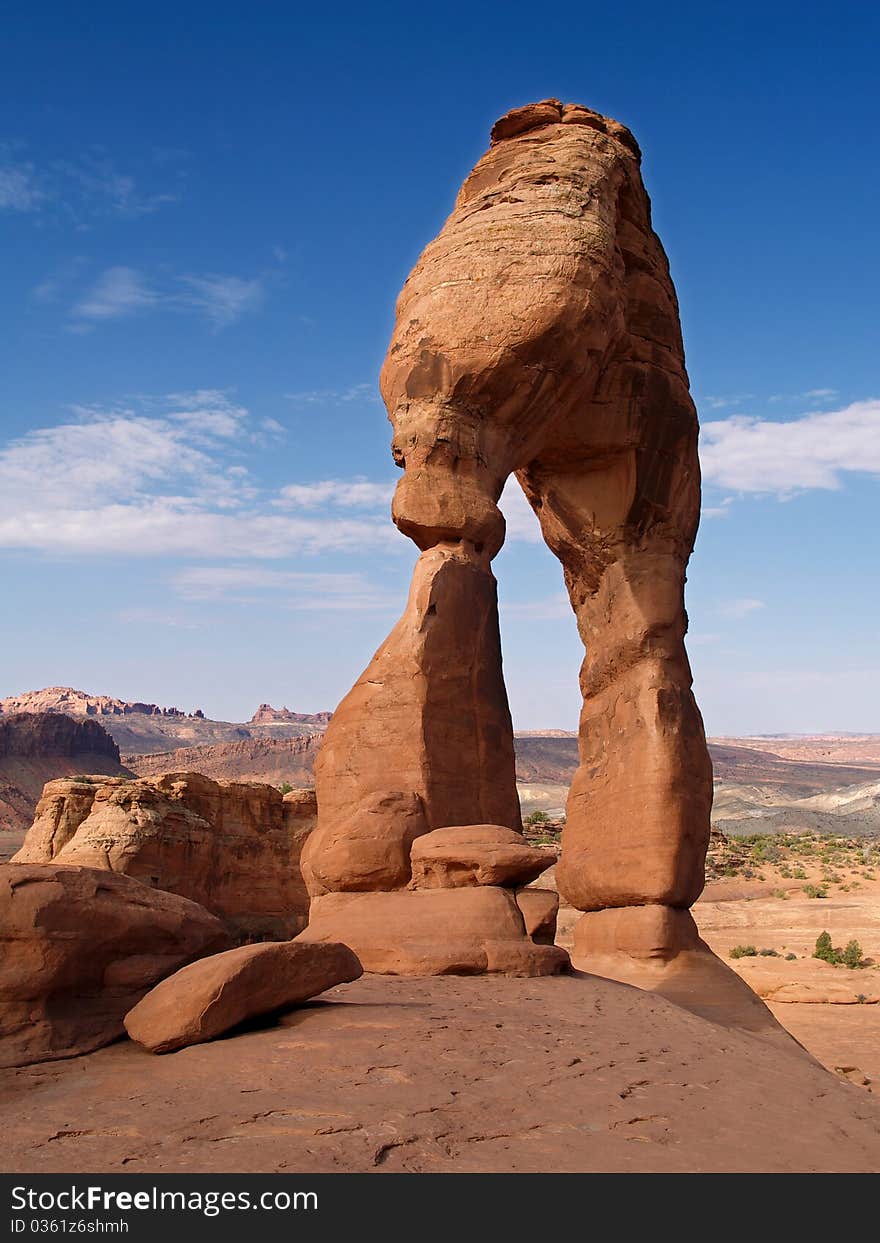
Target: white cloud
(221, 299)
(128, 482)
(301, 591)
(739, 608)
(357, 493)
(553, 608)
(122, 291)
(18, 188)
(116, 293)
(331, 396)
(103, 189)
(756, 455)
(522, 522)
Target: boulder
(210, 996)
(80, 947)
(475, 854)
(467, 931)
(539, 909)
(234, 847)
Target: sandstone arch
(538, 335)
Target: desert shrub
(799, 874)
(815, 891)
(537, 817)
(743, 951)
(825, 950)
(780, 893)
(790, 957)
(769, 953)
(766, 852)
(285, 787)
(852, 955)
(83, 780)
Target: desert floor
(572, 1073)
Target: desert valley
(795, 849)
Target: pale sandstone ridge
(80, 947)
(234, 847)
(209, 997)
(538, 335)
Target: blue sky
(208, 211)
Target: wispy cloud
(747, 454)
(357, 493)
(133, 482)
(522, 523)
(116, 293)
(553, 608)
(221, 299)
(314, 592)
(739, 608)
(103, 189)
(122, 291)
(332, 396)
(77, 189)
(19, 190)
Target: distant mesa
(142, 728)
(71, 702)
(36, 747)
(267, 715)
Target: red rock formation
(35, 747)
(80, 948)
(234, 847)
(538, 335)
(210, 996)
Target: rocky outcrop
(38, 746)
(80, 947)
(463, 931)
(476, 854)
(233, 847)
(272, 760)
(207, 998)
(145, 728)
(267, 715)
(538, 335)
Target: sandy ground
(563, 1074)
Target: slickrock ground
(762, 903)
(560, 1074)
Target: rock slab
(209, 997)
(78, 948)
(475, 854)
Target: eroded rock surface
(234, 847)
(211, 996)
(475, 854)
(538, 335)
(78, 948)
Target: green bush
(815, 891)
(769, 953)
(852, 955)
(285, 787)
(743, 951)
(538, 817)
(825, 950)
(790, 957)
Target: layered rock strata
(233, 847)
